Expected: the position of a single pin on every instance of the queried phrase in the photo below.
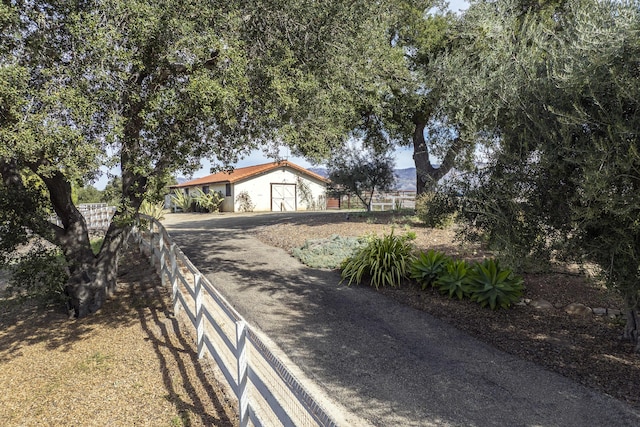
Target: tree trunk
(632, 326)
(427, 176)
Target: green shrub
(427, 266)
(182, 200)
(41, 272)
(454, 279)
(328, 253)
(210, 202)
(493, 286)
(437, 209)
(383, 260)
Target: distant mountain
(405, 178)
(319, 171)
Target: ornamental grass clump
(383, 261)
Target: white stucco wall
(260, 190)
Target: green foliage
(211, 201)
(361, 173)
(243, 199)
(112, 193)
(454, 279)
(154, 210)
(182, 200)
(88, 194)
(428, 266)
(96, 244)
(328, 253)
(41, 273)
(437, 209)
(493, 286)
(383, 260)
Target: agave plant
(208, 201)
(427, 266)
(154, 210)
(454, 280)
(493, 286)
(182, 200)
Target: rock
(541, 304)
(613, 312)
(577, 309)
(599, 311)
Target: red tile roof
(240, 174)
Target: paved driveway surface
(388, 364)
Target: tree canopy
(361, 173)
(555, 101)
(153, 87)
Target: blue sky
(403, 155)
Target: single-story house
(276, 186)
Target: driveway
(381, 363)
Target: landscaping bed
(580, 345)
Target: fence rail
(396, 200)
(97, 215)
(268, 393)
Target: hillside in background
(405, 178)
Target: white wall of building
(261, 190)
(308, 193)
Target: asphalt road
(387, 364)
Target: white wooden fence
(396, 200)
(97, 215)
(268, 394)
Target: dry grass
(126, 365)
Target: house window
(227, 190)
(205, 189)
(186, 191)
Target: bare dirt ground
(585, 348)
(128, 364)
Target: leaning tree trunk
(427, 176)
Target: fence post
(174, 278)
(241, 357)
(151, 242)
(199, 317)
(162, 258)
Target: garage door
(283, 197)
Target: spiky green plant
(154, 210)
(493, 286)
(427, 266)
(210, 201)
(182, 200)
(384, 261)
(454, 279)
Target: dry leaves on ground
(126, 365)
